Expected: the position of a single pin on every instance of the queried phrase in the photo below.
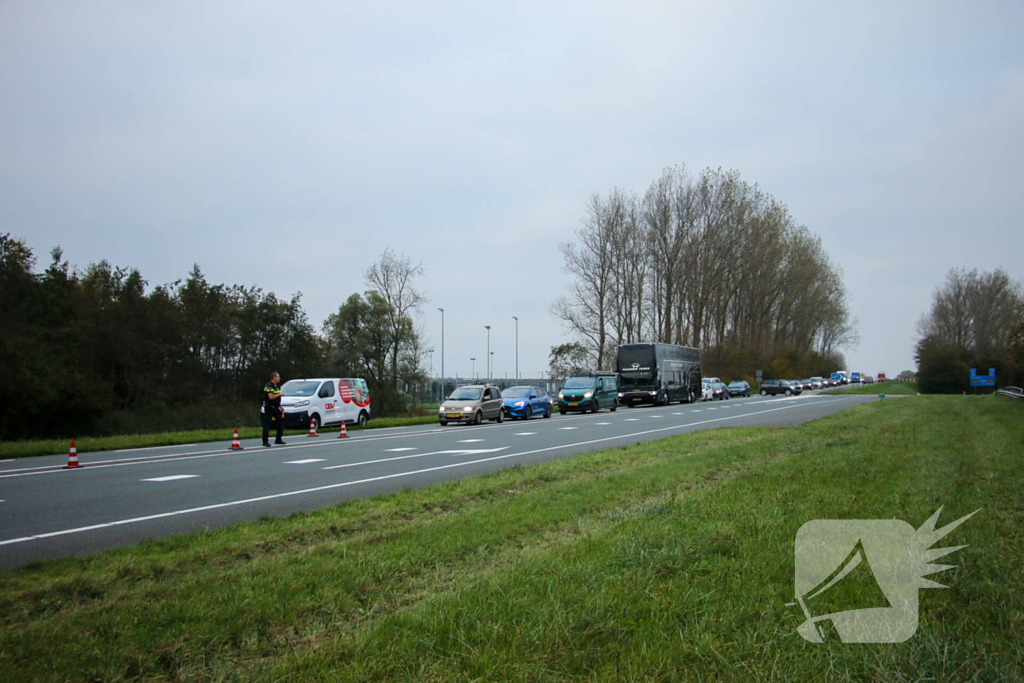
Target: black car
(772, 387)
(719, 391)
(739, 388)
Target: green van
(589, 392)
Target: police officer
(273, 413)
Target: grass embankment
(24, 449)
(664, 561)
(889, 388)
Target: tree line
(96, 351)
(709, 261)
(976, 320)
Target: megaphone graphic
(851, 586)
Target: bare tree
(393, 278)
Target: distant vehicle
(325, 401)
(881, 377)
(706, 393)
(589, 392)
(523, 402)
(773, 387)
(841, 377)
(739, 388)
(651, 372)
(817, 382)
(804, 384)
(473, 403)
(719, 391)
(868, 379)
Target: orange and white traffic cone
(343, 434)
(312, 428)
(235, 444)
(72, 456)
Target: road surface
(119, 498)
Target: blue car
(522, 403)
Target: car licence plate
(453, 416)
(637, 399)
(574, 404)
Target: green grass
(888, 388)
(23, 449)
(656, 562)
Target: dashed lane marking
(399, 450)
(173, 477)
(306, 461)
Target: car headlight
(441, 409)
(620, 394)
(520, 404)
(300, 404)
(653, 393)
(560, 395)
(588, 394)
(467, 409)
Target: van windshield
(466, 394)
(298, 387)
(579, 383)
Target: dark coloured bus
(651, 372)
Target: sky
(287, 145)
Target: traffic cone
(72, 456)
(312, 428)
(235, 444)
(343, 434)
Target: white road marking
(654, 416)
(399, 450)
(712, 408)
(524, 433)
(328, 487)
(414, 455)
(305, 462)
(602, 423)
(564, 428)
(470, 440)
(173, 477)
(153, 448)
(683, 413)
(632, 419)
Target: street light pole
(473, 373)
(517, 348)
(442, 353)
(492, 365)
(488, 350)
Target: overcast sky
(288, 144)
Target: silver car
(474, 404)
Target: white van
(325, 401)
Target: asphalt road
(119, 498)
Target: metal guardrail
(1012, 392)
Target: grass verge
(24, 449)
(665, 561)
(890, 388)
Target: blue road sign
(985, 380)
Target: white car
(325, 401)
(706, 392)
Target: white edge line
(344, 484)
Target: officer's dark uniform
(273, 414)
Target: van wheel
(363, 418)
(614, 408)
(314, 422)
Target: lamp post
(473, 373)
(492, 365)
(488, 350)
(517, 348)
(442, 353)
